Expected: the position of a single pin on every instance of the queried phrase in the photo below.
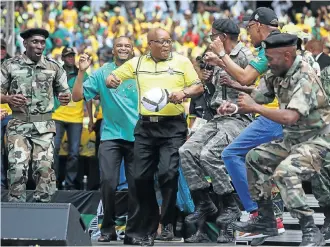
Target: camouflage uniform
(308, 58)
(31, 132)
(201, 154)
(305, 144)
(321, 181)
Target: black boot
(226, 235)
(204, 207)
(311, 233)
(198, 237)
(231, 211)
(325, 230)
(166, 233)
(264, 223)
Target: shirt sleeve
(91, 84)
(5, 79)
(303, 98)
(190, 74)
(260, 63)
(265, 93)
(192, 111)
(61, 83)
(125, 71)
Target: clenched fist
(84, 62)
(112, 81)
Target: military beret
(264, 16)
(277, 40)
(68, 50)
(226, 26)
(34, 31)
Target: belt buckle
(153, 119)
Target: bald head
(160, 44)
(314, 46)
(154, 34)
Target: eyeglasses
(163, 42)
(213, 36)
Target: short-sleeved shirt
(39, 83)
(260, 64)
(74, 111)
(120, 107)
(173, 74)
(300, 90)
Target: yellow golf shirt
(173, 74)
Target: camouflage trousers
(26, 144)
(201, 154)
(286, 165)
(321, 184)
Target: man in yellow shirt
(158, 135)
(69, 119)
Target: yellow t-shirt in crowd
(71, 113)
(173, 74)
(6, 107)
(70, 18)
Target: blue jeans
(4, 123)
(73, 131)
(261, 130)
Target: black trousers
(111, 154)
(156, 148)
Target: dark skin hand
(17, 100)
(64, 98)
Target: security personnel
(304, 112)
(158, 135)
(29, 83)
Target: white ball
(155, 99)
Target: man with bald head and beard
(304, 112)
(158, 135)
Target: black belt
(156, 119)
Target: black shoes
(198, 237)
(265, 223)
(311, 233)
(166, 234)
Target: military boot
(325, 230)
(264, 223)
(204, 207)
(311, 233)
(231, 211)
(198, 237)
(226, 235)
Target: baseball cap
(3, 43)
(68, 50)
(264, 16)
(226, 26)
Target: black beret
(34, 31)
(226, 26)
(264, 16)
(277, 40)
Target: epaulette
(53, 61)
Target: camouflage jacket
(241, 55)
(325, 79)
(39, 83)
(299, 90)
(308, 58)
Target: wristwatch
(222, 54)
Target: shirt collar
(236, 49)
(294, 66)
(318, 56)
(41, 63)
(170, 57)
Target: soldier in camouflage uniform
(305, 115)
(321, 181)
(201, 154)
(28, 84)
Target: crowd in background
(92, 27)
